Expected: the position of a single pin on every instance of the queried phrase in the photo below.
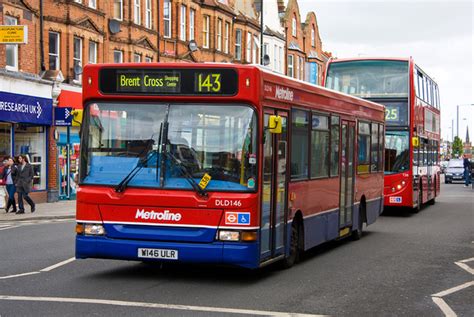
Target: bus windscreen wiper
(189, 177)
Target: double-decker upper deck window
(364, 147)
(370, 79)
(319, 146)
(167, 18)
(299, 144)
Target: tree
(457, 148)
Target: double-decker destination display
(412, 114)
(221, 164)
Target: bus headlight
(225, 235)
(94, 229)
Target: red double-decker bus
(412, 115)
(220, 163)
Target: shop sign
(25, 109)
(63, 116)
(13, 34)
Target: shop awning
(71, 99)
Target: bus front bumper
(235, 254)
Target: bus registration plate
(158, 254)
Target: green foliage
(457, 147)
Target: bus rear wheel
(294, 255)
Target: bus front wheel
(294, 255)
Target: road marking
(453, 289)
(8, 227)
(46, 269)
(17, 275)
(155, 305)
(52, 267)
(448, 312)
(462, 264)
(437, 298)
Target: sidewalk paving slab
(64, 209)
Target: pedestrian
(23, 183)
(9, 174)
(467, 171)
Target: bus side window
(299, 144)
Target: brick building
(78, 32)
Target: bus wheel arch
(357, 233)
(296, 241)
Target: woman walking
(9, 174)
(23, 183)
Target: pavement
(64, 209)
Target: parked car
(454, 171)
(443, 165)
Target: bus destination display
(152, 81)
(396, 113)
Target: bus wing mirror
(77, 118)
(274, 124)
(415, 141)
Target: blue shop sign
(25, 109)
(63, 116)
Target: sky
(439, 35)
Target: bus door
(274, 189)
(346, 198)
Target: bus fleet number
(228, 203)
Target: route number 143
(209, 82)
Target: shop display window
(31, 141)
(5, 139)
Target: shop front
(68, 143)
(25, 121)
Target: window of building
(148, 59)
(137, 58)
(364, 147)
(293, 26)
(192, 18)
(299, 144)
(301, 75)
(5, 139)
(290, 65)
(205, 31)
(275, 57)
(11, 49)
(31, 141)
(374, 147)
(248, 44)
(78, 1)
(148, 14)
(167, 18)
(219, 35)
(93, 4)
(54, 51)
(255, 49)
(118, 56)
(313, 37)
(335, 128)
(297, 72)
(226, 37)
(93, 47)
(319, 146)
(136, 12)
(280, 60)
(77, 56)
(182, 24)
(118, 9)
(238, 44)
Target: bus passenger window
(374, 147)
(299, 144)
(335, 126)
(319, 146)
(364, 148)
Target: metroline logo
(283, 93)
(152, 215)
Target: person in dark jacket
(467, 171)
(9, 175)
(23, 183)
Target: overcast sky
(437, 34)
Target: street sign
(63, 116)
(13, 34)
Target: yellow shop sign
(13, 34)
